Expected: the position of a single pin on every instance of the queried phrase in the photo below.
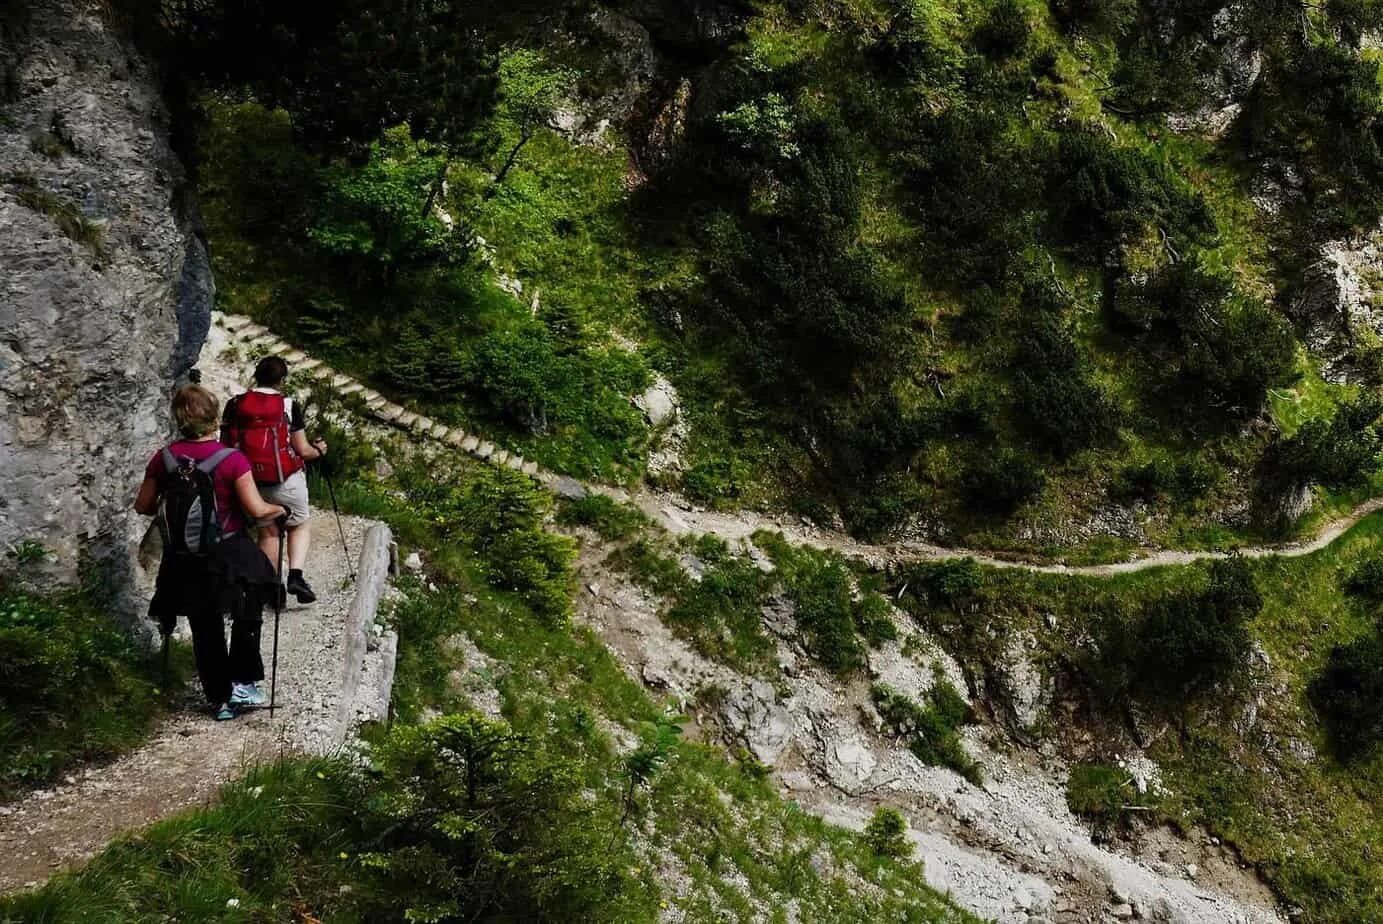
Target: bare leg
(298, 539)
(269, 542)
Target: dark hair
(271, 371)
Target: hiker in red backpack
(203, 496)
(269, 428)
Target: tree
(379, 214)
(887, 833)
(348, 70)
(475, 822)
(1217, 345)
(1348, 695)
(530, 90)
(1339, 451)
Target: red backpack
(258, 427)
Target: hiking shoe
(225, 713)
(247, 694)
(297, 586)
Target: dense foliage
(1349, 696)
(73, 686)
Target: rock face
(1339, 302)
(105, 286)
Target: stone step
(422, 425)
(500, 457)
(484, 450)
(251, 331)
(348, 389)
(369, 395)
(439, 431)
(469, 443)
(405, 420)
(530, 469)
(293, 357)
(268, 344)
(375, 403)
(515, 462)
(235, 322)
(344, 382)
(319, 370)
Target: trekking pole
(331, 490)
(167, 637)
(280, 592)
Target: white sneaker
(247, 694)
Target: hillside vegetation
(896, 256)
(1041, 278)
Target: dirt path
(186, 762)
(680, 518)
(677, 515)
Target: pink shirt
(222, 480)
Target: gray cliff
(105, 288)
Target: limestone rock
(764, 724)
(95, 330)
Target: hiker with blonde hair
(203, 497)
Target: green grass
(63, 212)
(304, 838)
(74, 686)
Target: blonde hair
(196, 411)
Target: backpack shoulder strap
(170, 464)
(210, 463)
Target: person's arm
(306, 451)
(146, 502)
(255, 507)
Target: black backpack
(187, 504)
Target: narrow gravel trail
(680, 518)
(191, 756)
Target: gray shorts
(292, 493)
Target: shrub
(1339, 452)
(1100, 794)
(1217, 346)
(1183, 641)
(501, 513)
(73, 686)
(471, 820)
(929, 731)
(721, 613)
(716, 481)
(887, 833)
(1160, 478)
(608, 518)
(874, 621)
(1348, 696)
(1005, 32)
(1104, 194)
(1366, 579)
(1000, 482)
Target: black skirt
(236, 578)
